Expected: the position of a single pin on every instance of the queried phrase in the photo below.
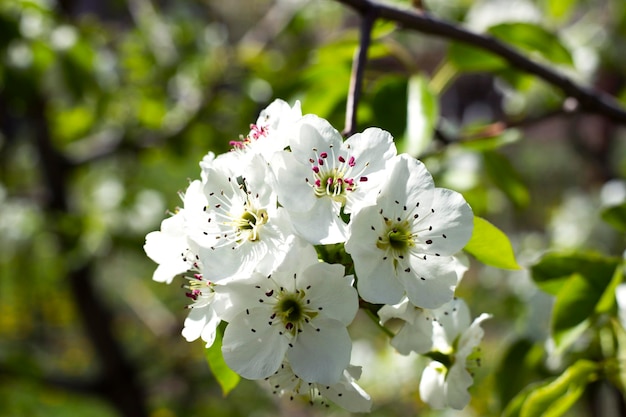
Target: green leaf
(389, 97)
(556, 397)
(607, 302)
(520, 359)
(422, 114)
(584, 285)
(468, 59)
(574, 303)
(553, 270)
(491, 246)
(533, 38)
(561, 9)
(506, 178)
(225, 376)
(615, 216)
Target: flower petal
(321, 352)
(431, 282)
(202, 321)
(327, 287)
(314, 133)
(377, 280)
(416, 337)
(293, 190)
(321, 225)
(408, 184)
(347, 394)
(251, 347)
(432, 384)
(458, 381)
(450, 224)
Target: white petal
(458, 381)
(201, 322)
(471, 337)
(377, 280)
(371, 149)
(166, 247)
(347, 394)
(322, 225)
(431, 387)
(327, 287)
(416, 337)
(431, 282)
(313, 132)
(321, 355)
(403, 310)
(225, 262)
(231, 297)
(300, 255)
(294, 192)
(449, 226)
(454, 319)
(251, 347)
(409, 183)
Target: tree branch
(356, 77)
(588, 99)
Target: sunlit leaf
(491, 246)
(422, 114)
(469, 59)
(556, 397)
(551, 272)
(225, 376)
(534, 39)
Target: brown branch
(356, 77)
(588, 99)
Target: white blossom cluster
(284, 237)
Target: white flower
(345, 393)
(445, 380)
(272, 130)
(300, 311)
(416, 331)
(203, 317)
(169, 248)
(237, 222)
(403, 244)
(323, 174)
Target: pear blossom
(237, 223)
(203, 317)
(403, 244)
(272, 130)
(322, 175)
(169, 248)
(299, 312)
(345, 393)
(446, 379)
(415, 334)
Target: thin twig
(588, 99)
(358, 69)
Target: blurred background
(106, 108)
